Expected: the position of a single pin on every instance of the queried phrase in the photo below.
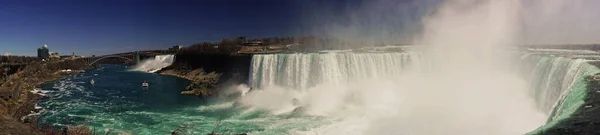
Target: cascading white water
(302, 71)
(155, 64)
(365, 88)
(551, 77)
(367, 92)
(465, 90)
(558, 84)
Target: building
(72, 56)
(175, 48)
(66, 57)
(253, 43)
(54, 55)
(43, 52)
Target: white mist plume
(469, 91)
(560, 22)
(372, 22)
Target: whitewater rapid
(155, 64)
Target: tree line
(299, 43)
(18, 59)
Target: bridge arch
(105, 57)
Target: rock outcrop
(208, 72)
(201, 81)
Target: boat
(92, 82)
(145, 84)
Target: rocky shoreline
(13, 112)
(202, 82)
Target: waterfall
(558, 84)
(549, 89)
(155, 64)
(305, 70)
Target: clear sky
(98, 27)
(110, 26)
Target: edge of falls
(557, 84)
(155, 64)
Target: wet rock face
(299, 110)
(594, 78)
(201, 84)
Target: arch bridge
(127, 58)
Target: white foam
(155, 64)
(563, 51)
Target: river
(117, 102)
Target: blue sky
(111, 26)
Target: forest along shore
(14, 109)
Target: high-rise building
(43, 52)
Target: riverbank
(29, 77)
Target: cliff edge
(208, 72)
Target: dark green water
(118, 102)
